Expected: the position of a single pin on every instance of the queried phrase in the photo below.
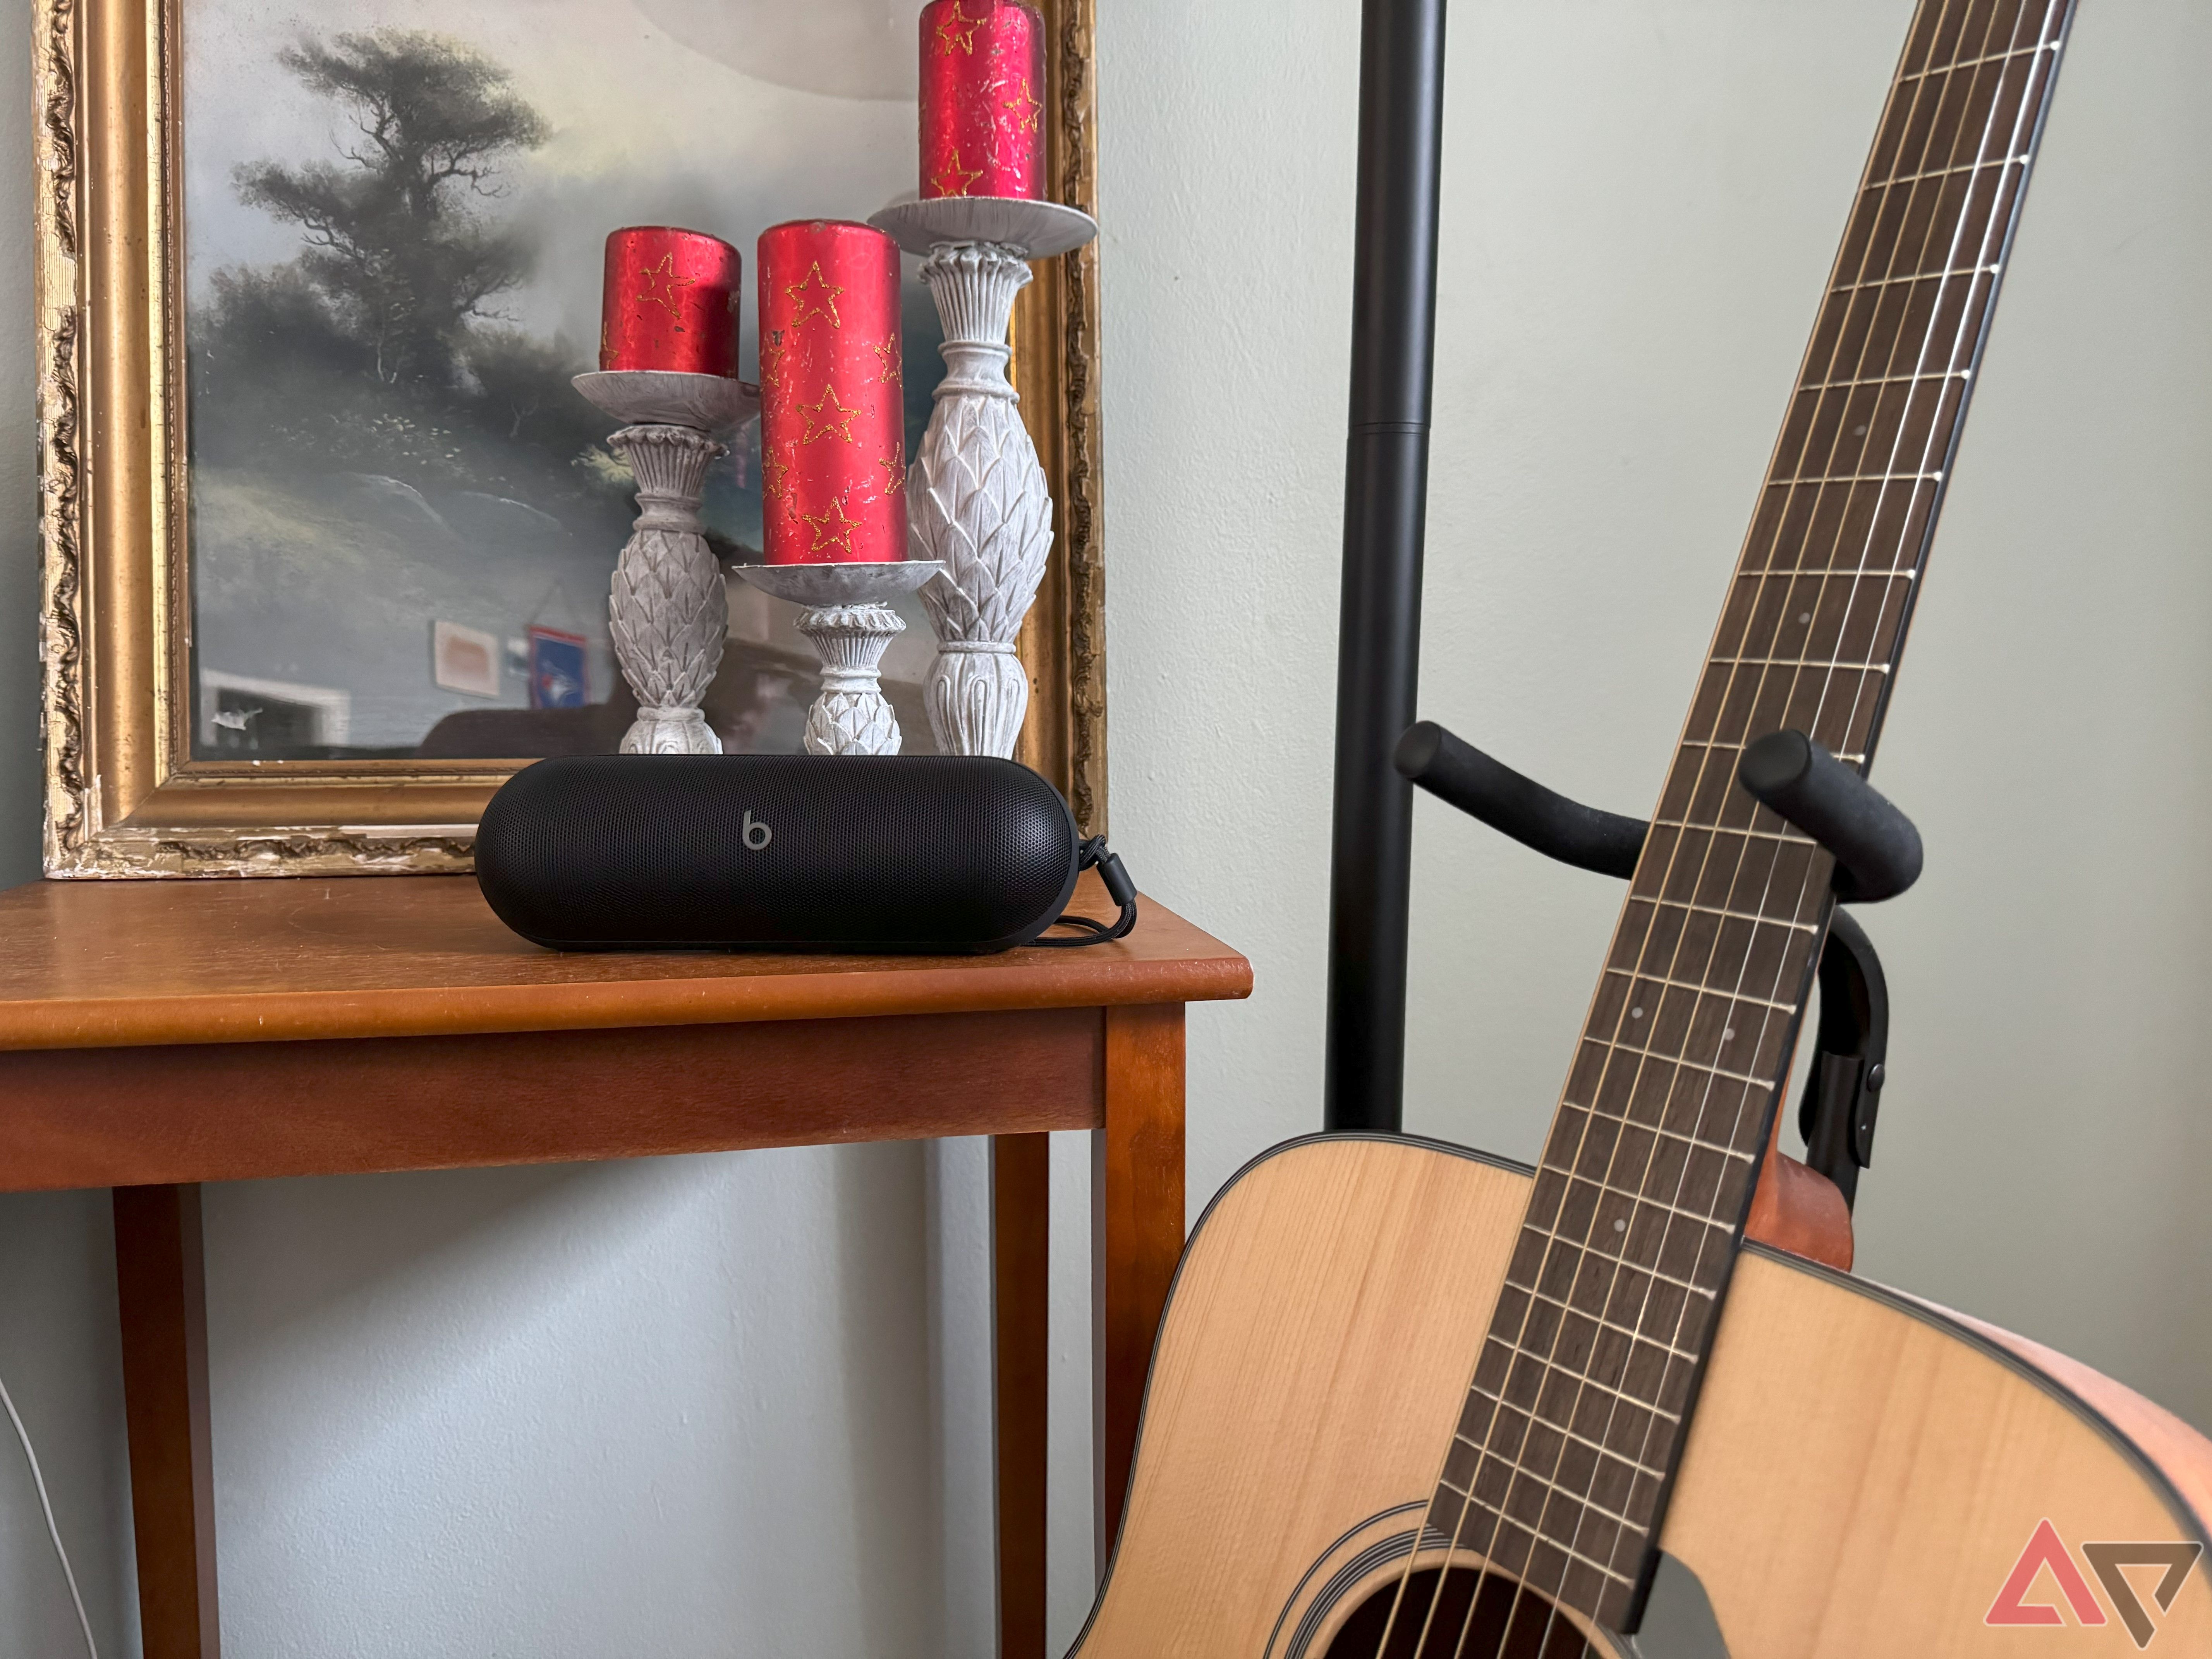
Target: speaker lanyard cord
(1093, 855)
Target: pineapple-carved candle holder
(668, 611)
(976, 501)
(849, 622)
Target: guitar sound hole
(1509, 1622)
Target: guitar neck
(1582, 1392)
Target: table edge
(411, 1012)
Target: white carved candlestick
(668, 609)
(976, 499)
(850, 624)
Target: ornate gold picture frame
(125, 793)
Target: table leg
(1137, 1226)
(162, 1294)
(1021, 1189)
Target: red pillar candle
(671, 302)
(982, 99)
(833, 409)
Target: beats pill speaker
(920, 852)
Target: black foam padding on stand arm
(1456, 771)
(1877, 848)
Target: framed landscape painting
(327, 532)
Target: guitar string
(1516, 1466)
(1749, 1094)
(1610, 1180)
(1968, 319)
(1899, 439)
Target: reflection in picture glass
(403, 518)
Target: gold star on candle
(960, 178)
(816, 296)
(888, 354)
(837, 419)
(1028, 108)
(950, 34)
(772, 355)
(894, 467)
(832, 528)
(661, 283)
(773, 472)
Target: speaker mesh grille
(879, 852)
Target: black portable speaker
(922, 853)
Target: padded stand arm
(1457, 772)
(1877, 849)
(1877, 856)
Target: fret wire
(1591, 1246)
(1791, 838)
(1976, 62)
(1682, 1284)
(1886, 572)
(1505, 1519)
(1853, 757)
(1889, 379)
(1581, 1499)
(1908, 280)
(1580, 1438)
(1702, 990)
(1948, 173)
(1732, 915)
(1514, 1468)
(1689, 1140)
(1612, 1325)
(1799, 662)
(1596, 1247)
(1619, 1047)
(1478, 1392)
(1496, 1405)
(1862, 477)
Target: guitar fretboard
(1582, 1394)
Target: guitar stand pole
(1393, 306)
(1878, 855)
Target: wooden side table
(157, 1035)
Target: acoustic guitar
(1415, 1401)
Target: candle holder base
(850, 624)
(1038, 229)
(667, 396)
(668, 609)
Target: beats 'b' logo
(757, 836)
(2046, 1551)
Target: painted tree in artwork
(380, 348)
(395, 241)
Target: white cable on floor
(53, 1531)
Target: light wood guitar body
(1861, 1476)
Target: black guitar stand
(1877, 853)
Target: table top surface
(87, 964)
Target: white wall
(728, 1404)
